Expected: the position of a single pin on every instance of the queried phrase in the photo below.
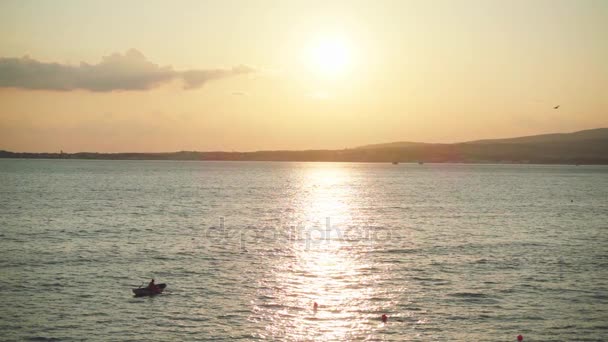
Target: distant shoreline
(588, 147)
(349, 156)
(315, 161)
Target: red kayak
(146, 291)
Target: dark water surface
(448, 252)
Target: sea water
(447, 252)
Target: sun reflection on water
(321, 266)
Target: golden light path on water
(327, 263)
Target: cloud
(128, 71)
(196, 78)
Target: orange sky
(146, 76)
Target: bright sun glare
(330, 56)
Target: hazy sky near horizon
(115, 76)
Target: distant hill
(397, 144)
(589, 134)
(584, 147)
(586, 135)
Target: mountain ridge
(586, 134)
(581, 147)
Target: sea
(448, 252)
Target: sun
(330, 56)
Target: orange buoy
(520, 338)
(384, 318)
(315, 306)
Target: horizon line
(310, 149)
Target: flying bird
(556, 107)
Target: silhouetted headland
(583, 147)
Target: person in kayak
(152, 286)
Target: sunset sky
(146, 76)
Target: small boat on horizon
(395, 163)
